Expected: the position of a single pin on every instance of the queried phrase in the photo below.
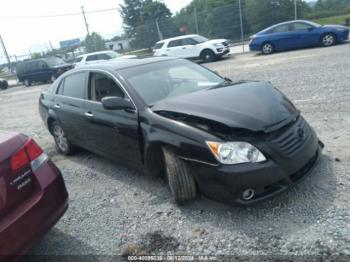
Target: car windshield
(53, 61)
(113, 54)
(158, 81)
(200, 39)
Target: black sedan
(234, 142)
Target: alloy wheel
(267, 49)
(328, 40)
(60, 138)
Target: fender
(187, 141)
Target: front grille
(288, 140)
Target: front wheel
(267, 49)
(180, 179)
(208, 56)
(328, 40)
(62, 143)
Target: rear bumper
(27, 224)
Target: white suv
(99, 57)
(192, 46)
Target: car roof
(176, 38)
(125, 63)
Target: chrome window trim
(105, 72)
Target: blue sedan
(297, 34)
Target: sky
(23, 34)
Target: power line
(58, 15)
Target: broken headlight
(232, 153)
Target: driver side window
(101, 85)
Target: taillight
(33, 150)
(30, 153)
(19, 160)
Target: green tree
(94, 42)
(140, 16)
(215, 18)
(326, 8)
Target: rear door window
(74, 86)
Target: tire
(27, 82)
(180, 179)
(208, 56)
(62, 143)
(328, 40)
(3, 85)
(267, 49)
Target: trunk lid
(16, 176)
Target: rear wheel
(180, 179)
(208, 56)
(328, 40)
(267, 49)
(26, 82)
(62, 143)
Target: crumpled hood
(256, 106)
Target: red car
(33, 195)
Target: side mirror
(116, 103)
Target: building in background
(119, 45)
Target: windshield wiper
(229, 82)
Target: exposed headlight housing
(232, 153)
(218, 45)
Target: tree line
(145, 21)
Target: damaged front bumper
(246, 184)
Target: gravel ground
(116, 210)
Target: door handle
(57, 106)
(89, 114)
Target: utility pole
(241, 22)
(86, 24)
(158, 29)
(196, 20)
(295, 10)
(5, 53)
